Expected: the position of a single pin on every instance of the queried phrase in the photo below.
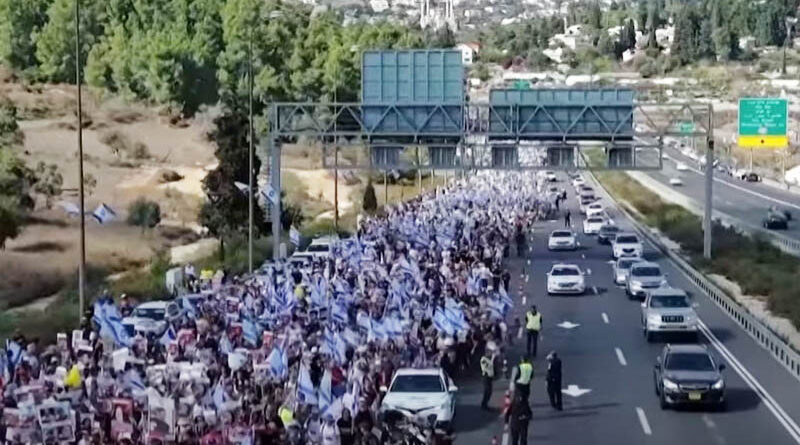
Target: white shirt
(330, 434)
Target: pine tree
(684, 43)
(370, 203)
(705, 43)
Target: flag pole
(82, 264)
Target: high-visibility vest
(533, 322)
(286, 415)
(525, 373)
(487, 367)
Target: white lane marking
(713, 429)
(709, 423)
(643, 421)
(595, 291)
(605, 318)
(583, 256)
(783, 418)
(621, 357)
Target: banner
(57, 422)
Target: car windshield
(609, 229)
(318, 248)
(669, 301)
(594, 220)
(646, 271)
(689, 361)
(417, 383)
(151, 313)
(561, 234)
(565, 271)
(627, 239)
(627, 263)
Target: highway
(742, 200)
(608, 354)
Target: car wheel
(662, 401)
(655, 386)
(649, 336)
(721, 406)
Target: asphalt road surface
(745, 201)
(608, 354)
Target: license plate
(695, 396)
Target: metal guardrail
(781, 351)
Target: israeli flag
(250, 332)
(168, 337)
(325, 393)
(219, 397)
(14, 354)
(70, 208)
(107, 316)
(339, 312)
(294, 236)
(244, 188)
(441, 323)
(507, 301)
(305, 389)
(191, 312)
(224, 345)
(394, 329)
(269, 193)
(104, 214)
(339, 349)
(134, 381)
(278, 362)
(351, 338)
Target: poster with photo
(160, 416)
(121, 418)
(21, 424)
(57, 421)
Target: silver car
(668, 311)
(643, 277)
(622, 268)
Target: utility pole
(82, 266)
(708, 209)
(250, 172)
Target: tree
(55, 45)
(628, 36)
(705, 42)
(654, 12)
(20, 22)
(770, 28)
(225, 212)
(595, 19)
(370, 203)
(606, 45)
(10, 220)
(143, 213)
(684, 43)
(15, 178)
(49, 182)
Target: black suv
(689, 375)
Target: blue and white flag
(442, 324)
(133, 380)
(107, 316)
(351, 338)
(269, 193)
(191, 312)
(339, 349)
(168, 337)
(244, 188)
(393, 327)
(325, 393)
(278, 363)
(294, 236)
(339, 312)
(225, 346)
(219, 397)
(507, 301)
(306, 393)
(13, 354)
(70, 208)
(104, 214)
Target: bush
(140, 151)
(144, 213)
(649, 68)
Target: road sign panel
(686, 127)
(763, 123)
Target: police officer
(533, 324)
(554, 380)
(567, 219)
(523, 374)
(487, 374)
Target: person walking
(554, 380)
(487, 375)
(518, 418)
(523, 374)
(533, 324)
(567, 220)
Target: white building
(469, 51)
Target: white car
(562, 240)
(421, 393)
(592, 224)
(594, 209)
(675, 181)
(565, 279)
(626, 244)
(320, 247)
(668, 310)
(550, 176)
(681, 167)
(664, 156)
(150, 317)
(622, 267)
(644, 277)
(577, 182)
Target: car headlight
(669, 384)
(719, 384)
(664, 283)
(444, 406)
(636, 284)
(654, 318)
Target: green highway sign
(763, 123)
(686, 127)
(522, 85)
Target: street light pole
(82, 264)
(250, 174)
